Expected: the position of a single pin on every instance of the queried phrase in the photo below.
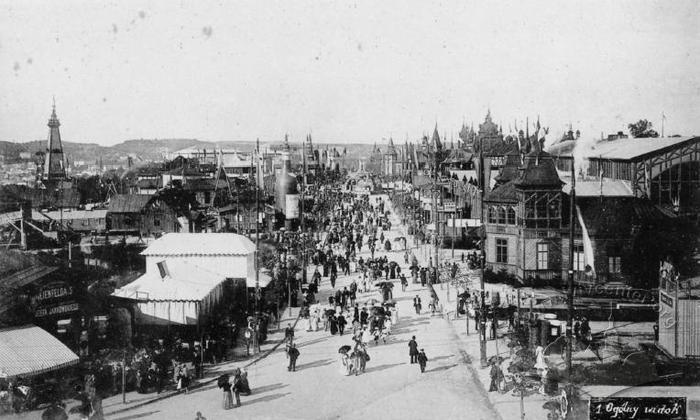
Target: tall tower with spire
(54, 165)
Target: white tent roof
(183, 282)
(29, 350)
(201, 244)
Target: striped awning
(29, 350)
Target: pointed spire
(436, 138)
(54, 165)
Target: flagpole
(570, 294)
(663, 123)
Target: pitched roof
(509, 171)
(201, 244)
(183, 282)
(631, 148)
(206, 184)
(29, 350)
(128, 203)
(502, 193)
(40, 198)
(538, 170)
(616, 216)
(69, 214)
(147, 183)
(500, 148)
(594, 188)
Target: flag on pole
(588, 259)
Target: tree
(642, 129)
(179, 199)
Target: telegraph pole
(570, 294)
(482, 318)
(257, 228)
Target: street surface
(391, 387)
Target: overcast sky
(344, 70)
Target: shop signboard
(54, 299)
(57, 309)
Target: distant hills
(148, 149)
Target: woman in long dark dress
(334, 324)
(228, 397)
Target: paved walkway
(391, 388)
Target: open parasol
(384, 284)
(496, 360)
(344, 349)
(221, 380)
(378, 310)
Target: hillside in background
(154, 149)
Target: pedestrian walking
(292, 354)
(364, 315)
(417, 304)
(341, 324)
(495, 374)
(413, 350)
(422, 360)
(289, 334)
(239, 386)
(225, 386)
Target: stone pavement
(114, 405)
(507, 405)
(390, 388)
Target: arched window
(492, 214)
(511, 216)
(501, 215)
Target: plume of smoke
(583, 148)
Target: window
(492, 214)
(207, 197)
(554, 209)
(614, 265)
(501, 216)
(530, 210)
(542, 256)
(579, 259)
(156, 221)
(511, 216)
(541, 208)
(502, 250)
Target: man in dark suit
(417, 304)
(422, 360)
(413, 349)
(341, 324)
(293, 354)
